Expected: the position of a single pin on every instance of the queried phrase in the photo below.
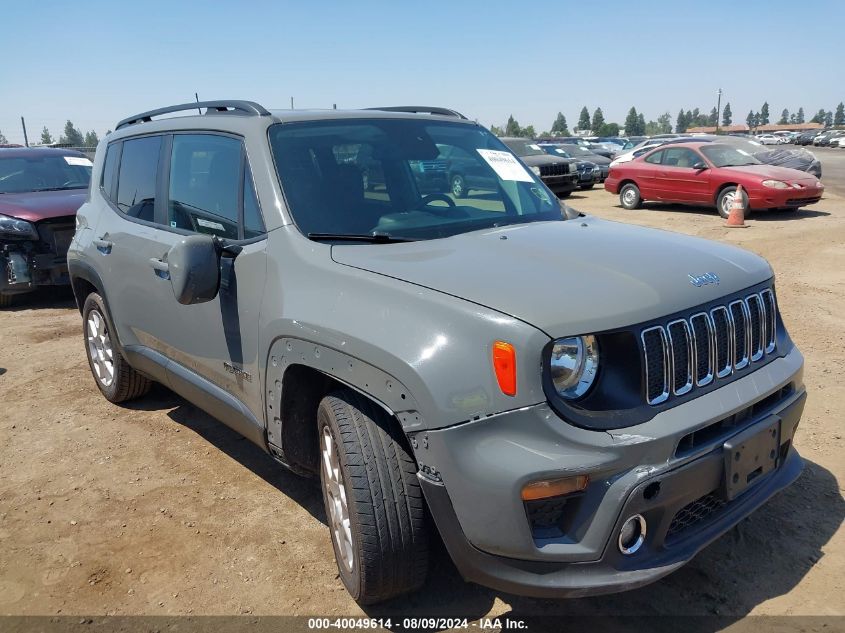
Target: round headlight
(574, 364)
(535, 169)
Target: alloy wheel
(336, 500)
(100, 348)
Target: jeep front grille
(554, 169)
(692, 352)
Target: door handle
(104, 246)
(162, 269)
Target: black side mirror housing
(194, 267)
(700, 166)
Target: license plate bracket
(750, 455)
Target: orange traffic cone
(736, 218)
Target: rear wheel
(726, 199)
(374, 503)
(117, 381)
(629, 197)
(458, 186)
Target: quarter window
(205, 179)
(136, 188)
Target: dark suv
(40, 191)
(558, 174)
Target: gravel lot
(155, 508)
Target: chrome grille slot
(694, 351)
(656, 350)
(741, 339)
(754, 308)
(724, 337)
(768, 298)
(680, 351)
(703, 342)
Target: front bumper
(765, 198)
(565, 183)
(23, 269)
(473, 473)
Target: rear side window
(136, 187)
(655, 158)
(206, 173)
(109, 169)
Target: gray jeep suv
(576, 406)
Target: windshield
(21, 174)
(575, 150)
(523, 147)
(727, 156)
(403, 179)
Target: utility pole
(718, 108)
(25, 139)
(291, 103)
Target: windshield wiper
(376, 237)
(57, 189)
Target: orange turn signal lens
(554, 487)
(504, 364)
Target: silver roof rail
(249, 108)
(421, 110)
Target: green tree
(727, 115)
(693, 118)
(597, 122)
(584, 119)
(528, 132)
(750, 119)
(608, 129)
(784, 117)
(512, 127)
(91, 139)
(640, 124)
(72, 136)
(496, 130)
(664, 123)
(46, 138)
(713, 119)
(764, 113)
(681, 122)
(800, 116)
(559, 127)
(828, 118)
(3, 140)
(839, 117)
(632, 123)
(818, 117)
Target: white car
(638, 150)
(768, 139)
(839, 142)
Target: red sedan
(707, 174)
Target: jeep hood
(565, 278)
(34, 206)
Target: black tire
(587, 187)
(725, 195)
(386, 509)
(125, 383)
(6, 300)
(458, 186)
(564, 194)
(629, 197)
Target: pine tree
(818, 117)
(800, 117)
(584, 119)
(828, 118)
(597, 122)
(640, 124)
(681, 123)
(3, 140)
(784, 117)
(559, 126)
(750, 119)
(91, 139)
(512, 127)
(727, 115)
(764, 113)
(839, 117)
(713, 119)
(72, 136)
(632, 123)
(46, 138)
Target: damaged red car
(40, 191)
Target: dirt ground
(155, 508)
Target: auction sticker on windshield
(505, 165)
(78, 160)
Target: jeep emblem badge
(703, 280)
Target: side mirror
(194, 267)
(700, 166)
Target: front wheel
(587, 187)
(6, 300)
(726, 199)
(629, 197)
(374, 503)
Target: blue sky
(96, 62)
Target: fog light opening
(632, 535)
